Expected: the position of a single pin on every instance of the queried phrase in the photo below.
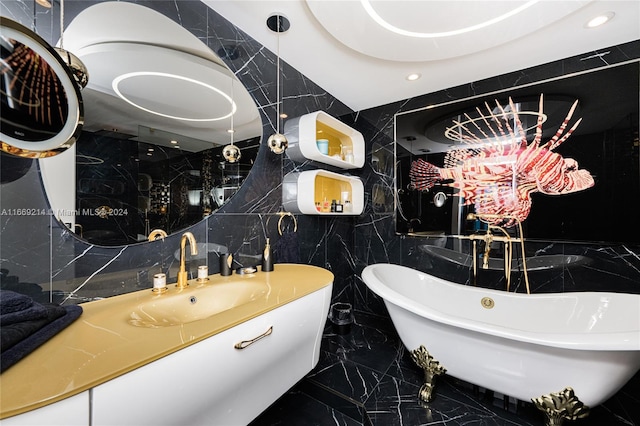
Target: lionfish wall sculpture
(499, 170)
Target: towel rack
(282, 215)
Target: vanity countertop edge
(101, 344)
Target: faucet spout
(156, 233)
(182, 272)
(488, 239)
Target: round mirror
(41, 104)
(159, 108)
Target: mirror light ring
(70, 132)
(386, 25)
(121, 78)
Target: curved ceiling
(417, 31)
(339, 46)
(168, 78)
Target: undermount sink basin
(195, 304)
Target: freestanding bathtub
(520, 345)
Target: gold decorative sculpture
(431, 368)
(561, 406)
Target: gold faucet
(157, 233)
(182, 273)
(489, 237)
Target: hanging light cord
(61, 23)
(232, 114)
(278, 77)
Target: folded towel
(10, 302)
(28, 345)
(33, 313)
(16, 332)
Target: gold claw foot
(431, 368)
(561, 406)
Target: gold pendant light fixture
(278, 142)
(78, 69)
(231, 152)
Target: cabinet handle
(245, 343)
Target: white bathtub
(526, 345)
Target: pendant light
(278, 142)
(78, 69)
(44, 3)
(231, 152)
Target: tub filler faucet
(489, 237)
(182, 272)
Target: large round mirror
(159, 108)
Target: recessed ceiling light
(174, 142)
(231, 131)
(600, 20)
(414, 76)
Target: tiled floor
(366, 377)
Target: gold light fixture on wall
(278, 142)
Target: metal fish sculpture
(500, 170)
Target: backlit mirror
(450, 163)
(159, 108)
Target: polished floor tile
(366, 377)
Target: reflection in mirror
(574, 188)
(382, 164)
(158, 110)
(41, 104)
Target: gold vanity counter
(102, 343)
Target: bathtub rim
(595, 341)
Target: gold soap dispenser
(267, 258)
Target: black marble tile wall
(597, 266)
(38, 251)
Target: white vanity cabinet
(212, 382)
(72, 411)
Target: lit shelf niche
(312, 191)
(346, 145)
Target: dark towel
(13, 333)
(33, 313)
(10, 302)
(28, 345)
(287, 249)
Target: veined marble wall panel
(609, 267)
(39, 252)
